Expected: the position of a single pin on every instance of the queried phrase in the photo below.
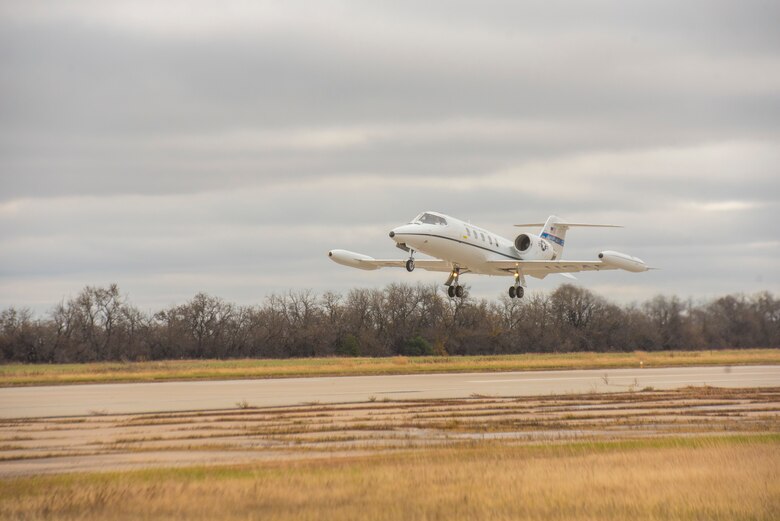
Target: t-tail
(555, 234)
(554, 231)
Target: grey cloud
(182, 149)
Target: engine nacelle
(533, 247)
(351, 259)
(623, 261)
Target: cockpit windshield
(429, 218)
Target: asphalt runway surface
(133, 398)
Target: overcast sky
(225, 147)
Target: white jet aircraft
(460, 247)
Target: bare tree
(99, 324)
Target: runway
(132, 398)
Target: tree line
(100, 324)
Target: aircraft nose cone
(392, 234)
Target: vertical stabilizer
(555, 234)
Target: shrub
(417, 346)
(349, 346)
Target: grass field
(48, 374)
(698, 453)
(729, 478)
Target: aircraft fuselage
(457, 242)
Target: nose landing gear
(410, 262)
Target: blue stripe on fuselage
(553, 238)
(398, 235)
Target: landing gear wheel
(451, 291)
(511, 292)
(519, 292)
(410, 265)
(459, 291)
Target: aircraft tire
(511, 292)
(410, 265)
(451, 291)
(459, 291)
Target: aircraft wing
(540, 269)
(426, 264)
(364, 262)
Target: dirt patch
(121, 442)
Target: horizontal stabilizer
(571, 225)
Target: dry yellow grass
(714, 478)
(42, 374)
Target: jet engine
(533, 247)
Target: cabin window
(483, 237)
(468, 232)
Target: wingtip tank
(623, 261)
(351, 259)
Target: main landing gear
(455, 291)
(453, 288)
(516, 291)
